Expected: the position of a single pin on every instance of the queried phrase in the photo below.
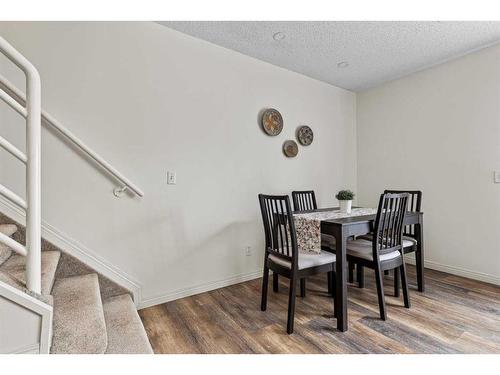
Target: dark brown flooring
(454, 315)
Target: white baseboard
(458, 271)
(186, 292)
(77, 250)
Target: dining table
(347, 227)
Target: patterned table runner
(308, 227)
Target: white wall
(150, 99)
(439, 131)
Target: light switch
(497, 177)
(171, 178)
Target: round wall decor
(305, 135)
(272, 122)
(290, 149)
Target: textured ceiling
(377, 52)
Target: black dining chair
(305, 200)
(282, 255)
(409, 233)
(385, 250)
(414, 205)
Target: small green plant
(345, 195)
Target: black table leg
(419, 255)
(360, 276)
(341, 282)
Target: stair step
(8, 229)
(5, 251)
(15, 267)
(126, 334)
(78, 323)
(47, 298)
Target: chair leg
(333, 285)
(275, 282)
(404, 283)
(360, 275)
(291, 306)
(265, 282)
(332, 282)
(396, 282)
(380, 293)
(303, 287)
(329, 281)
(351, 272)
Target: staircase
(84, 321)
(86, 318)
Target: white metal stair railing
(31, 111)
(29, 107)
(20, 100)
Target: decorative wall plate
(272, 122)
(290, 149)
(305, 135)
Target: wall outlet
(248, 251)
(496, 177)
(171, 178)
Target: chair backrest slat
(279, 228)
(304, 200)
(414, 205)
(388, 227)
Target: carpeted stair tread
(7, 279)
(5, 251)
(78, 323)
(8, 229)
(126, 334)
(15, 267)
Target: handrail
(31, 111)
(50, 120)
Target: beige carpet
(126, 334)
(15, 266)
(79, 326)
(82, 324)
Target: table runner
(308, 226)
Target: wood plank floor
(454, 315)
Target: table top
(351, 219)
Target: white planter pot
(345, 207)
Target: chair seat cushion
(362, 248)
(409, 241)
(306, 260)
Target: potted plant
(345, 198)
